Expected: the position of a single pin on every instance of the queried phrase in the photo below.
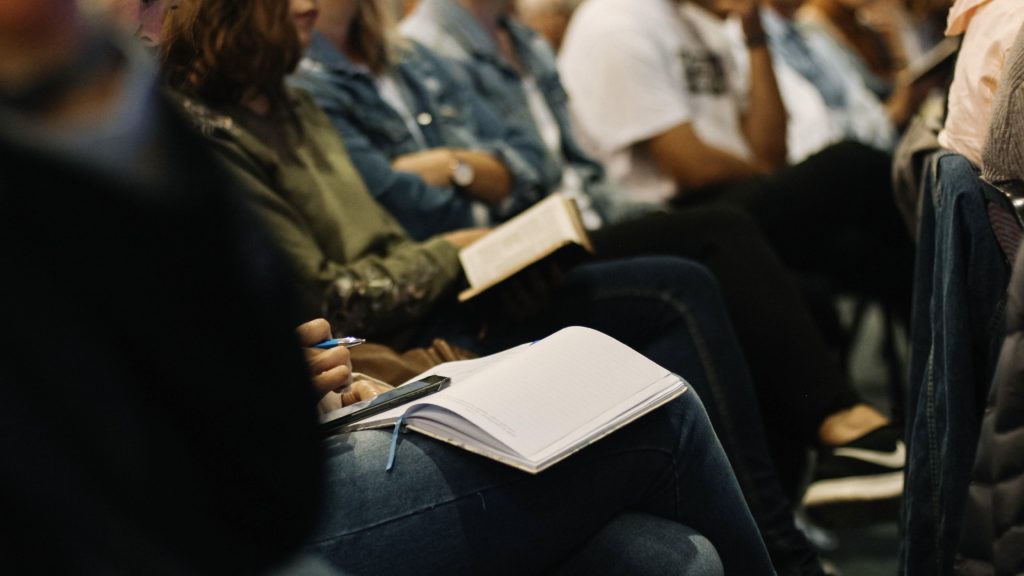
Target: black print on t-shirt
(705, 73)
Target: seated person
(877, 56)
(455, 165)
(157, 416)
(194, 450)
(988, 29)
(993, 511)
(825, 96)
(548, 17)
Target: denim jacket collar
(321, 53)
(464, 28)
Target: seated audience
(266, 107)
(798, 382)
(500, 57)
(193, 450)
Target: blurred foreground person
(157, 415)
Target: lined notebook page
(537, 397)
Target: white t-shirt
(635, 69)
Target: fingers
(333, 379)
(362, 390)
(313, 331)
(331, 369)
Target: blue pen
(347, 342)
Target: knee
(635, 543)
(686, 283)
(667, 272)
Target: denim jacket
(960, 281)
(449, 30)
(448, 116)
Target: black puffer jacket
(992, 542)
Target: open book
(545, 228)
(533, 405)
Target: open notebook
(533, 405)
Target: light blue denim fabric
(449, 30)
(960, 282)
(448, 116)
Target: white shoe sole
(880, 487)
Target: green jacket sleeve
(375, 293)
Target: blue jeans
(957, 327)
(444, 511)
(670, 309)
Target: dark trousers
(670, 310)
(831, 217)
(798, 380)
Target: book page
(460, 372)
(521, 241)
(541, 398)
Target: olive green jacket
(355, 263)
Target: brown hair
(371, 35)
(222, 51)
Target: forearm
(683, 156)
(491, 181)
(718, 167)
(765, 122)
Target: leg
(670, 310)
(456, 513)
(641, 545)
(799, 382)
(833, 215)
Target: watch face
(462, 174)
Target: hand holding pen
(328, 358)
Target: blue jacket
(449, 30)
(448, 115)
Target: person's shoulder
(210, 122)
(597, 20)
(433, 36)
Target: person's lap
(443, 510)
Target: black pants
(832, 217)
(797, 377)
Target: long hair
(222, 51)
(372, 35)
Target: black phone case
(388, 400)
